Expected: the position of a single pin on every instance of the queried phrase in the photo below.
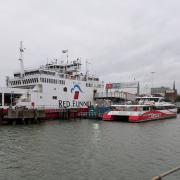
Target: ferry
(145, 109)
(53, 86)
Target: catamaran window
(146, 108)
(159, 107)
(170, 107)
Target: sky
(123, 40)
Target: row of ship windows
(146, 108)
(36, 80)
(53, 81)
(26, 81)
(45, 80)
(91, 85)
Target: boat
(144, 109)
(59, 84)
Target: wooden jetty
(21, 116)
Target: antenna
(87, 62)
(21, 49)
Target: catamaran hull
(139, 117)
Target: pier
(21, 116)
(33, 116)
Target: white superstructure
(145, 109)
(55, 85)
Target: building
(159, 90)
(168, 93)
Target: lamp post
(152, 73)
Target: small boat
(145, 109)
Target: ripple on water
(89, 149)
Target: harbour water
(89, 149)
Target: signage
(122, 85)
(73, 104)
(76, 89)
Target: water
(89, 150)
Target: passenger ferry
(145, 109)
(52, 86)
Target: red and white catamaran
(145, 109)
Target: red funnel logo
(76, 94)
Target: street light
(152, 73)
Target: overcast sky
(122, 39)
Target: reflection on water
(89, 149)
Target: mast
(21, 49)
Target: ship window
(54, 97)
(145, 108)
(65, 89)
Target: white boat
(53, 86)
(145, 109)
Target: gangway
(116, 95)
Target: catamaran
(145, 109)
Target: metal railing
(161, 176)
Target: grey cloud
(122, 39)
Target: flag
(64, 51)
(21, 50)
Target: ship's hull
(139, 116)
